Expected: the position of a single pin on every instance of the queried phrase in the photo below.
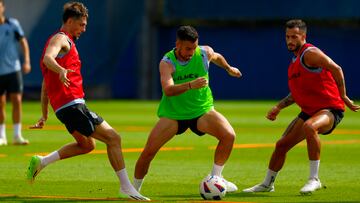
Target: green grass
(175, 175)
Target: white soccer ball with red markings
(212, 188)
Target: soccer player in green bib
(187, 102)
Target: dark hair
(187, 33)
(75, 10)
(2, 1)
(296, 23)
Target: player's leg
(3, 140)
(80, 123)
(292, 136)
(16, 101)
(321, 122)
(163, 131)
(105, 133)
(82, 145)
(15, 89)
(215, 124)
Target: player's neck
(298, 51)
(67, 31)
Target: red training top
(57, 92)
(313, 88)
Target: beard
(184, 57)
(293, 48)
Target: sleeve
(19, 32)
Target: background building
(125, 41)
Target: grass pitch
(176, 171)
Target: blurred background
(125, 41)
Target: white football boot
(133, 194)
(311, 186)
(3, 142)
(20, 141)
(230, 187)
(260, 188)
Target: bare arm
(220, 61)
(44, 108)
(58, 44)
(26, 52)
(316, 58)
(274, 111)
(171, 89)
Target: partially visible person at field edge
(62, 87)
(11, 81)
(317, 86)
(187, 102)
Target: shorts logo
(93, 115)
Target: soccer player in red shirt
(317, 86)
(62, 87)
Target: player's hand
(274, 111)
(198, 83)
(26, 68)
(40, 124)
(234, 72)
(63, 76)
(350, 104)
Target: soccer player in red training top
(317, 86)
(62, 87)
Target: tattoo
(287, 101)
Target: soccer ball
(212, 188)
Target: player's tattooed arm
(285, 102)
(275, 110)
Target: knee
(228, 137)
(114, 139)
(309, 129)
(88, 147)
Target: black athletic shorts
(11, 83)
(78, 117)
(183, 125)
(338, 116)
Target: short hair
(296, 23)
(2, 1)
(187, 33)
(75, 10)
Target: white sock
(17, 130)
(125, 183)
(270, 178)
(314, 169)
(2, 131)
(138, 183)
(217, 170)
(50, 158)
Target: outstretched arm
(220, 61)
(316, 58)
(275, 110)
